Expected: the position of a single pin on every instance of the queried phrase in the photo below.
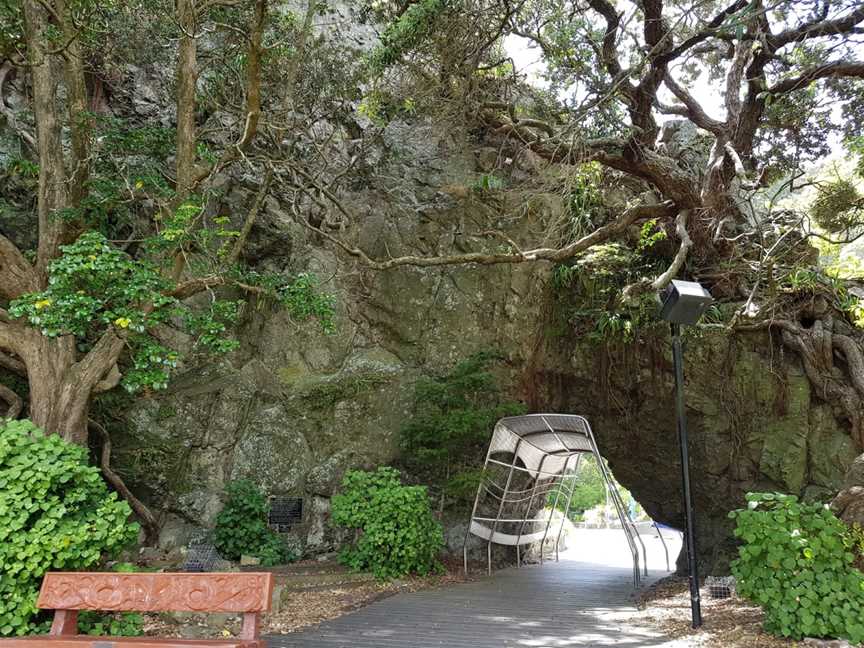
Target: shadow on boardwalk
(571, 603)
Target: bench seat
(248, 594)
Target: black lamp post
(683, 303)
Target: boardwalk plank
(559, 605)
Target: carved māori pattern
(215, 592)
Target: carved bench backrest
(162, 592)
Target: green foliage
(381, 106)
(407, 32)
(396, 533)
(855, 146)
(487, 183)
(796, 562)
(838, 206)
(96, 624)
(300, 295)
(588, 486)
(22, 168)
(590, 288)
(584, 198)
(241, 527)
(95, 286)
(451, 421)
(119, 137)
(650, 234)
(11, 27)
(55, 514)
(829, 282)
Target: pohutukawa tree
(127, 231)
(764, 88)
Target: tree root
(144, 514)
(16, 405)
(818, 346)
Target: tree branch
(11, 121)
(819, 28)
(554, 255)
(53, 196)
(12, 334)
(663, 172)
(100, 360)
(694, 110)
(251, 217)
(13, 364)
(609, 55)
(683, 250)
(643, 285)
(110, 381)
(808, 76)
(711, 29)
(733, 81)
(17, 276)
(854, 359)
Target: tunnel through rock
(528, 474)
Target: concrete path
(584, 600)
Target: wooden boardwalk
(570, 603)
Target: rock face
(849, 503)
(293, 408)
(754, 422)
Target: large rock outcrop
(755, 424)
(293, 408)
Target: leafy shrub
(453, 415)
(396, 533)
(796, 562)
(407, 32)
(100, 624)
(55, 514)
(241, 527)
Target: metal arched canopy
(544, 443)
(547, 448)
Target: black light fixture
(683, 303)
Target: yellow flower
(139, 184)
(42, 303)
(123, 322)
(92, 257)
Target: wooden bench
(66, 593)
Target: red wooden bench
(66, 593)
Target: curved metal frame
(553, 480)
